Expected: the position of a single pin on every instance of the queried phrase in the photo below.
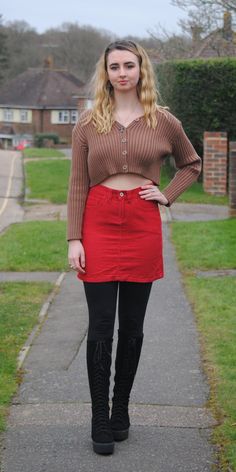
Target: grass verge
(42, 152)
(205, 245)
(48, 180)
(20, 304)
(34, 245)
(202, 246)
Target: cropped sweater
(135, 148)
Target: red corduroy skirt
(121, 236)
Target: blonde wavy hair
(101, 113)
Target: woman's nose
(122, 72)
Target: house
(219, 43)
(40, 100)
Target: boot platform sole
(103, 448)
(120, 435)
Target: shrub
(43, 139)
(201, 93)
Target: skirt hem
(121, 279)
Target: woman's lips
(123, 81)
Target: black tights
(101, 299)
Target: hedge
(202, 94)
(40, 138)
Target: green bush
(40, 138)
(201, 93)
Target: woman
(114, 224)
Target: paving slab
(198, 212)
(29, 276)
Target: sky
(122, 17)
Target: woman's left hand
(152, 192)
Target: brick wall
(215, 163)
(232, 178)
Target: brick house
(40, 100)
(219, 43)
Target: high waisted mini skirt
(121, 236)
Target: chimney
(196, 34)
(227, 28)
(48, 62)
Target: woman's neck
(126, 102)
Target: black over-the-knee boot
(126, 363)
(99, 354)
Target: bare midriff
(125, 182)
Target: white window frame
(23, 116)
(8, 115)
(73, 116)
(63, 116)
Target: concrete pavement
(49, 423)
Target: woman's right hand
(76, 255)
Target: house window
(89, 103)
(7, 114)
(64, 116)
(23, 116)
(74, 116)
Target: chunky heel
(103, 448)
(120, 435)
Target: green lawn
(42, 152)
(207, 245)
(34, 245)
(20, 304)
(212, 245)
(48, 180)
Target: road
(11, 188)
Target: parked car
(22, 145)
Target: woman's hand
(152, 192)
(76, 255)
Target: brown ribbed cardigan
(137, 149)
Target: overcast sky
(122, 17)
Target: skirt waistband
(102, 190)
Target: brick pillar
(215, 163)
(232, 178)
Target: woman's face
(123, 70)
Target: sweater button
(124, 152)
(125, 167)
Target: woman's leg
(101, 299)
(133, 299)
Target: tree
(77, 48)
(3, 52)
(204, 15)
(170, 46)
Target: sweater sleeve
(78, 183)
(188, 165)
